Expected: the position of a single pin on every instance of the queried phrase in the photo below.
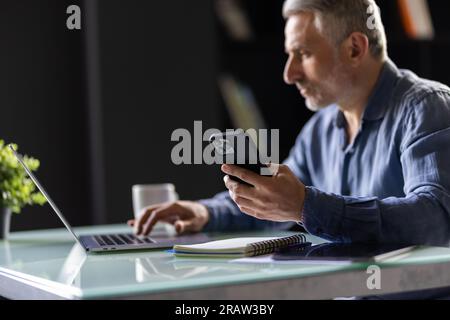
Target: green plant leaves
(16, 189)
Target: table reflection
(80, 268)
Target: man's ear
(357, 47)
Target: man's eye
(300, 55)
(303, 54)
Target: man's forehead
(300, 29)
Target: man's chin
(314, 106)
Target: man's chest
(370, 166)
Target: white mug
(144, 195)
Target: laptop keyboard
(121, 239)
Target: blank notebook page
(236, 245)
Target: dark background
(98, 106)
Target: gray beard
(313, 107)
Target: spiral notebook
(237, 247)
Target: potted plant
(16, 189)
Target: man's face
(313, 66)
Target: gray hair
(338, 19)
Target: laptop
(118, 241)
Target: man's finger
(183, 226)
(143, 217)
(274, 168)
(131, 222)
(161, 214)
(239, 189)
(243, 174)
(172, 219)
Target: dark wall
(42, 103)
(259, 64)
(157, 75)
(426, 58)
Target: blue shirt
(391, 185)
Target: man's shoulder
(423, 105)
(412, 89)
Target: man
(374, 157)
(372, 165)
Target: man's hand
(186, 216)
(276, 198)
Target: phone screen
(237, 148)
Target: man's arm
(423, 215)
(420, 218)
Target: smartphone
(342, 253)
(237, 148)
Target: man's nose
(293, 71)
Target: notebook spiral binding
(269, 246)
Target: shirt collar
(379, 100)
